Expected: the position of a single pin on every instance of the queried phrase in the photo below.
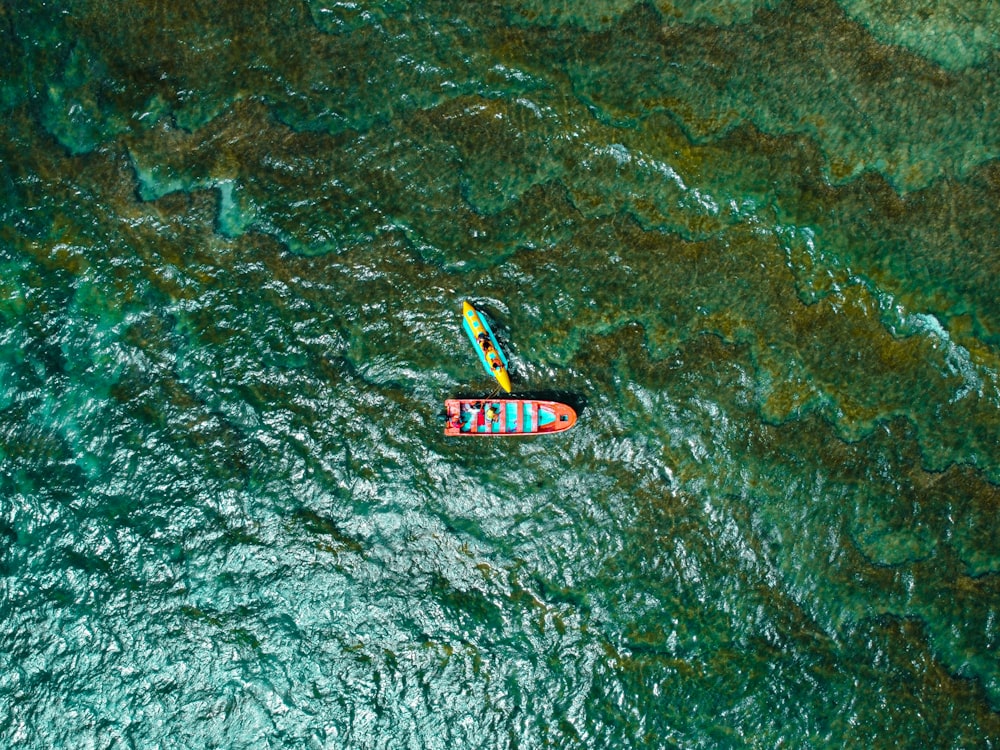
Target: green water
(756, 245)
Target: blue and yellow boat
(485, 343)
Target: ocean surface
(756, 244)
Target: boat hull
(514, 417)
(490, 356)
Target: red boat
(506, 417)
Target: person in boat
(476, 405)
(455, 420)
(497, 365)
(493, 413)
(484, 341)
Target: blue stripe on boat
(496, 344)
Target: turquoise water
(755, 243)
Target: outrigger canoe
(485, 343)
(506, 417)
